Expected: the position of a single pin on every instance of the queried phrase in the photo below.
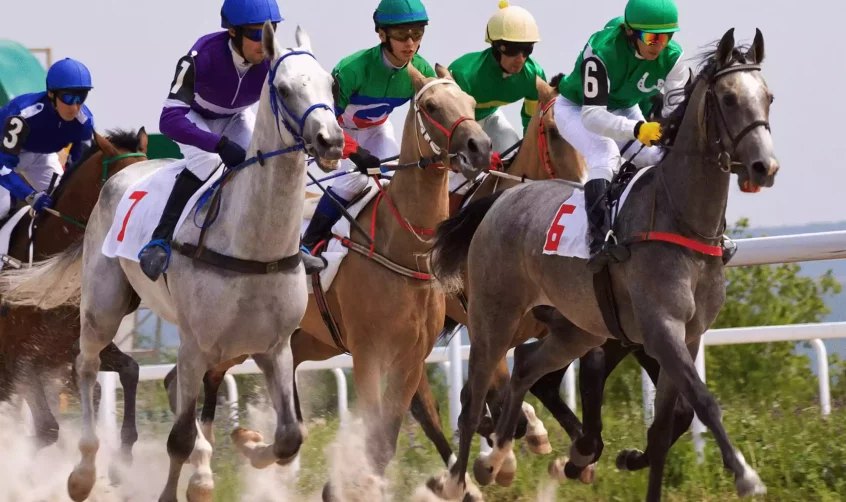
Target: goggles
(402, 34)
(71, 98)
(511, 50)
(654, 38)
(254, 34)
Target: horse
(666, 293)
(33, 342)
(241, 290)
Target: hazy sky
(132, 48)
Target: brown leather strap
(205, 255)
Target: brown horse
(34, 342)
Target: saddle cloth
(567, 234)
(6, 231)
(141, 207)
(335, 251)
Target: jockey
(35, 127)
(370, 84)
(207, 113)
(503, 73)
(597, 111)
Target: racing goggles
(514, 49)
(254, 34)
(654, 38)
(401, 34)
(71, 98)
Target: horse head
(446, 120)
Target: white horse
(247, 299)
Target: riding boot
(155, 256)
(597, 212)
(325, 216)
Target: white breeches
(238, 128)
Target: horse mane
(707, 66)
(556, 80)
(121, 139)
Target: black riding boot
(155, 256)
(596, 207)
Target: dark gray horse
(667, 294)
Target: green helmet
(617, 21)
(652, 16)
(394, 12)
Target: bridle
(419, 113)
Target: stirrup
(162, 243)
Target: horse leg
(664, 340)
(425, 409)
(113, 359)
(659, 436)
(185, 440)
(531, 362)
(46, 426)
(278, 368)
(401, 383)
(634, 460)
(102, 308)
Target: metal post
(648, 389)
(570, 386)
(822, 373)
(107, 414)
(232, 399)
(699, 428)
(341, 381)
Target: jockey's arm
(346, 83)
(530, 101)
(12, 137)
(595, 115)
(676, 79)
(174, 122)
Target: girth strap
(209, 257)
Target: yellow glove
(648, 133)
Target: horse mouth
(461, 163)
(755, 182)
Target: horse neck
(698, 187)
(419, 195)
(528, 161)
(261, 208)
(77, 201)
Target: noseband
(724, 155)
(276, 102)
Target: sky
(132, 48)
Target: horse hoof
(573, 471)
(539, 444)
(624, 457)
(505, 476)
(556, 468)
(588, 475)
(579, 458)
(750, 484)
(483, 471)
(241, 436)
(200, 489)
(81, 482)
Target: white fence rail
(754, 251)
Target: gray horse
(667, 295)
(247, 300)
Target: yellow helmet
(512, 24)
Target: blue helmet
(244, 12)
(68, 74)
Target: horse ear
(442, 72)
(725, 48)
(105, 146)
(142, 140)
(417, 78)
(545, 91)
(268, 41)
(755, 54)
(303, 40)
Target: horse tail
(452, 243)
(47, 284)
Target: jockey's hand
(39, 201)
(648, 133)
(230, 152)
(364, 160)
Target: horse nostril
(760, 168)
(321, 140)
(472, 146)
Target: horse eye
(772, 98)
(283, 93)
(430, 107)
(730, 99)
